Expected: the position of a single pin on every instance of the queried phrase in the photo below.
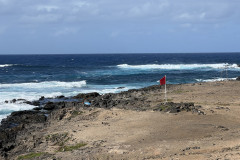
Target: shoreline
(39, 103)
(196, 100)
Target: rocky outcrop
(15, 126)
(238, 79)
(50, 106)
(19, 126)
(24, 117)
(178, 107)
(87, 95)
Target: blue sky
(119, 26)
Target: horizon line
(118, 53)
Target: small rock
(37, 108)
(59, 97)
(120, 87)
(42, 98)
(87, 95)
(13, 101)
(49, 106)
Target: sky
(119, 26)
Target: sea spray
(180, 66)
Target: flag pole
(165, 88)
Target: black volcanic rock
(42, 98)
(34, 103)
(60, 97)
(58, 105)
(87, 95)
(49, 106)
(13, 101)
(120, 87)
(14, 127)
(19, 126)
(238, 79)
(23, 117)
(172, 107)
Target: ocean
(32, 76)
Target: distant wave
(6, 65)
(215, 79)
(179, 66)
(107, 89)
(46, 84)
(26, 65)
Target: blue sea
(32, 76)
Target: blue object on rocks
(87, 103)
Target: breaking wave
(33, 91)
(6, 65)
(7, 108)
(180, 66)
(215, 79)
(47, 84)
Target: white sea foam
(10, 95)
(3, 116)
(14, 106)
(215, 79)
(180, 66)
(7, 108)
(33, 91)
(51, 89)
(5, 65)
(47, 84)
(107, 90)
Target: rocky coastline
(22, 131)
(18, 126)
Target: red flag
(163, 80)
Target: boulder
(23, 117)
(16, 126)
(87, 95)
(120, 87)
(13, 101)
(42, 98)
(60, 97)
(49, 106)
(38, 108)
(238, 79)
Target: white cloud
(149, 8)
(185, 16)
(202, 15)
(41, 18)
(81, 4)
(115, 34)
(47, 8)
(65, 31)
(186, 25)
(175, 12)
(191, 17)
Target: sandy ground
(127, 134)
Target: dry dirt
(126, 134)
